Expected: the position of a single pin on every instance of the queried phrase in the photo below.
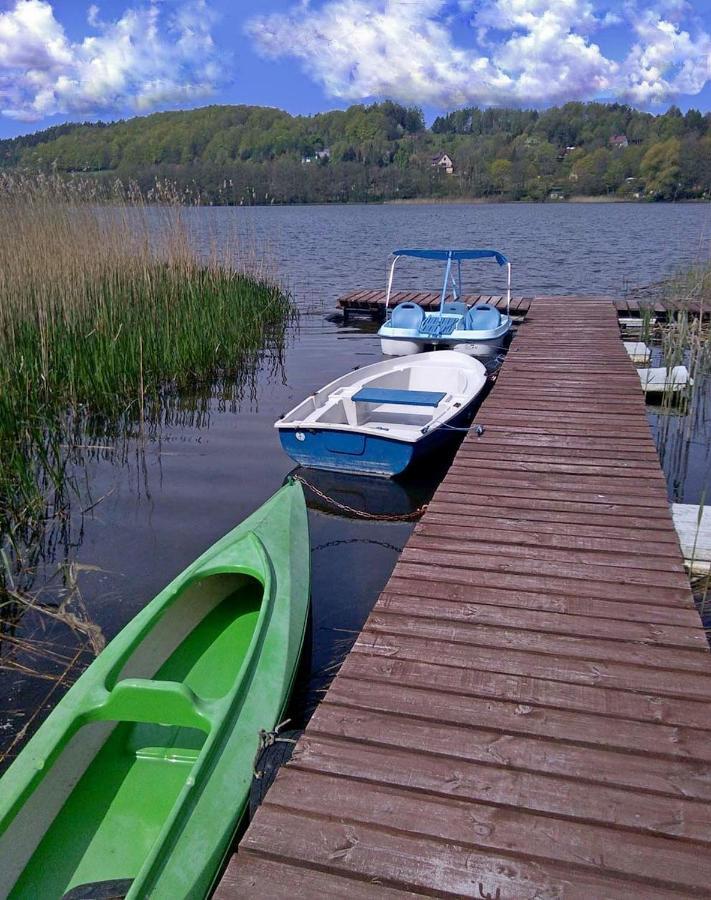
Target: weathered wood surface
(372, 302)
(525, 713)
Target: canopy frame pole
(390, 284)
(458, 283)
(508, 289)
(446, 281)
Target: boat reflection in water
(364, 497)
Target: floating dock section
(526, 711)
(632, 312)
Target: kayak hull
(141, 774)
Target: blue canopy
(454, 254)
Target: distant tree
(660, 169)
(500, 171)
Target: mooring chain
(404, 517)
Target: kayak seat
(482, 317)
(456, 306)
(407, 315)
(148, 700)
(406, 398)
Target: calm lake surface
(165, 500)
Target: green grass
(105, 311)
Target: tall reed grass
(686, 340)
(105, 307)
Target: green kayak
(136, 782)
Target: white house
(443, 161)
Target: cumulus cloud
(517, 51)
(150, 56)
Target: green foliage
(101, 316)
(661, 170)
(250, 154)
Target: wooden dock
(526, 711)
(372, 303)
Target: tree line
(384, 151)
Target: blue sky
(68, 61)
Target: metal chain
(338, 543)
(405, 517)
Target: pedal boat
(383, 418)
(477, 330)
(135, 783)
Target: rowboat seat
(407, 315)
(482, 317)
(403, 397)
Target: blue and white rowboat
(380, 419)
(477, 330)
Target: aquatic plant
(106, 310)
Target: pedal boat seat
(482, 317)
(408, 316)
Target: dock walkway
(526, 711)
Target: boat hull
(408, 341)
(139, 777)
(353, 451)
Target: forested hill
(248, 154)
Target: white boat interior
(401, 397)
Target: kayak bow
(139, 777)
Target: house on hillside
(619, 141)
(319, 156)
(443, 162)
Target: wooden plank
(478, 826)
(523, 689)
(425, 864)
(426, 552)
(515, 619)
(689, 685)
(460, 481)
(674, 776)
(579, 537)
(519, 576)
(246, 874)
(406, 579)
(509, 717)
(543, 546)
(482, 784)
(445, 502)
(460, 630)
(620, 446)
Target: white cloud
(518, 51)
(148, 57)
(665, 60)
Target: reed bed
(686, 340)
(105, 309)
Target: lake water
(163, 501)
